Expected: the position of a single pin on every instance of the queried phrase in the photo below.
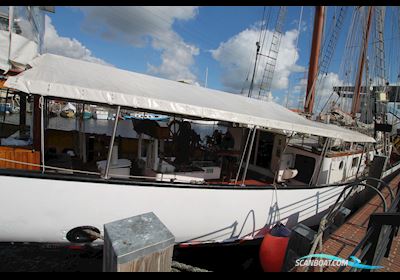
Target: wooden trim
(20, 155)
(36, 124)
(343, 154)
(144, 183)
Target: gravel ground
(35, 258)
(20, 257)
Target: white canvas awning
(63, 77)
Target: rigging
(273, 53)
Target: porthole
(82, 234)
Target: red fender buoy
(273, 248)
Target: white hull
(44, 210)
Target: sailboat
(191, 207)
(262, 164)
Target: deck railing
(377, 242)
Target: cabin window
(263, 148)
(15, 122)
(3, 17)
(16, 131)
(305, 166)
(341, 164)
(354, 162)
(77, 136)
(151, 145)
(147, 146)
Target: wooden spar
(37, 135)
(356, 96)
(314, 57)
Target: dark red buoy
(273, 248)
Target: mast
(314, 57)
(356, 96)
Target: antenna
(254, 71)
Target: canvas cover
(62, 77)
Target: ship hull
(44, 208)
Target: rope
(94, 234)
(181, 267)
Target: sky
(185, 43)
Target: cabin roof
(62, 77)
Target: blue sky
(181, 43)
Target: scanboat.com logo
(329, 260)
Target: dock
(343, 242)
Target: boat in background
(100, 114)
(146, 116)
(5, 108)
(86, 115)
(68, 112)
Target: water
(101, 127)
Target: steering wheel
(174, 128)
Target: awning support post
(42, 148)
(242, 157)
(248, 155)
(110, 150)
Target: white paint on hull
(44, 210)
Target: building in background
(21, 36)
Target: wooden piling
(138, 244)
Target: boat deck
(249, 182)
(345, 239)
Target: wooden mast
(314, 57)
(356, 95)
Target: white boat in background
(100, 115)
(54, 109)
(68, 111)
(146, 116)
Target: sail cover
(62, 77)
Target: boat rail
(275, 186)
(377, 242)
(328, 219)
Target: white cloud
(177, 58)
(70, 47)
(236, 54)
(289, 102)
(141, 26)
(324, 90)
(300, 87)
